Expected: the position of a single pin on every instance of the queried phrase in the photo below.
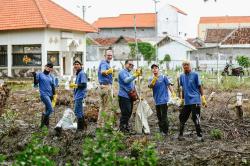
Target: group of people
(192, 96)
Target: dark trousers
(184, 115)
(162, 115)
(126, 106)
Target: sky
(194, 8)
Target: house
(96, 50)
(169, 19)
(177, 48)
(222, 46)
(221, 22)
(34, 32)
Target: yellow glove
(137, 73)
(73, 85)
(203, 101)
(54, 101)
(153, 81)
(173, 95)
(109, 71)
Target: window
(27, 55)
(78, 56)
(53, 57)
(3, 56)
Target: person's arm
(129, 79)
(106, 71)
(83, 82)
(36, 78)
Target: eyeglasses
(130, 64)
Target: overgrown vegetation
(37, 152)
(216, 134)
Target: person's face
(155, 70)
(77, 66)
(109, 55)
(129, 65)
(49, 69)
(186, 68)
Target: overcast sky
(194, 8)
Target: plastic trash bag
(67, 121)
(141, 119)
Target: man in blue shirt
(105, 79)
(80, 90)
(47, 91)
(126, 84)
(192, 93)
(160, 85)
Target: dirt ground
(232, 149)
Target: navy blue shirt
(190, 83)
(160, 90)
(80, 79)
(104, 65)
(125, 88)
(46, 82)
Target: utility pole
(156, 30)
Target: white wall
(177, 52)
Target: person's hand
(203, 101)
(138, 72)
(54, 101)
(109, 71)
(73, 85)
(152, 84)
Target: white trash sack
(67, 121)
(141, 119)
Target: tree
(243, 61)
(146, 49)
(167, 59)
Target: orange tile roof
(30, 14)
(225, 19)
(112, 40)
(178, 10)
(145, 20)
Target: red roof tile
(145, 20)
(225, 19)
(29, 14)
(239, 36)
(112, 40)
(178, 10)
(216, 35)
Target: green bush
(36, 153)
(216, 134)
(2, 158)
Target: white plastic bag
(141, 119)
(67, 121)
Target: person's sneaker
(181, 138)
(200, 139)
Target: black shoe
(80, 124)
(58, 131)
(44, 121)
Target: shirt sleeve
(167, 82)
(198, 81)
(180, 80)
(83, 78)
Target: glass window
(27, 55)
(53, 57)
(3, 56)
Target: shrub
(216, 134)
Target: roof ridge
(40, 11)
(71, 13)
(228, 36)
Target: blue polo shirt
(190, 83)
(104, 65)
(45, 81)
(124, 87)
(160, 90)
(80, 93)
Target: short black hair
(77, 61)
(128, 61)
